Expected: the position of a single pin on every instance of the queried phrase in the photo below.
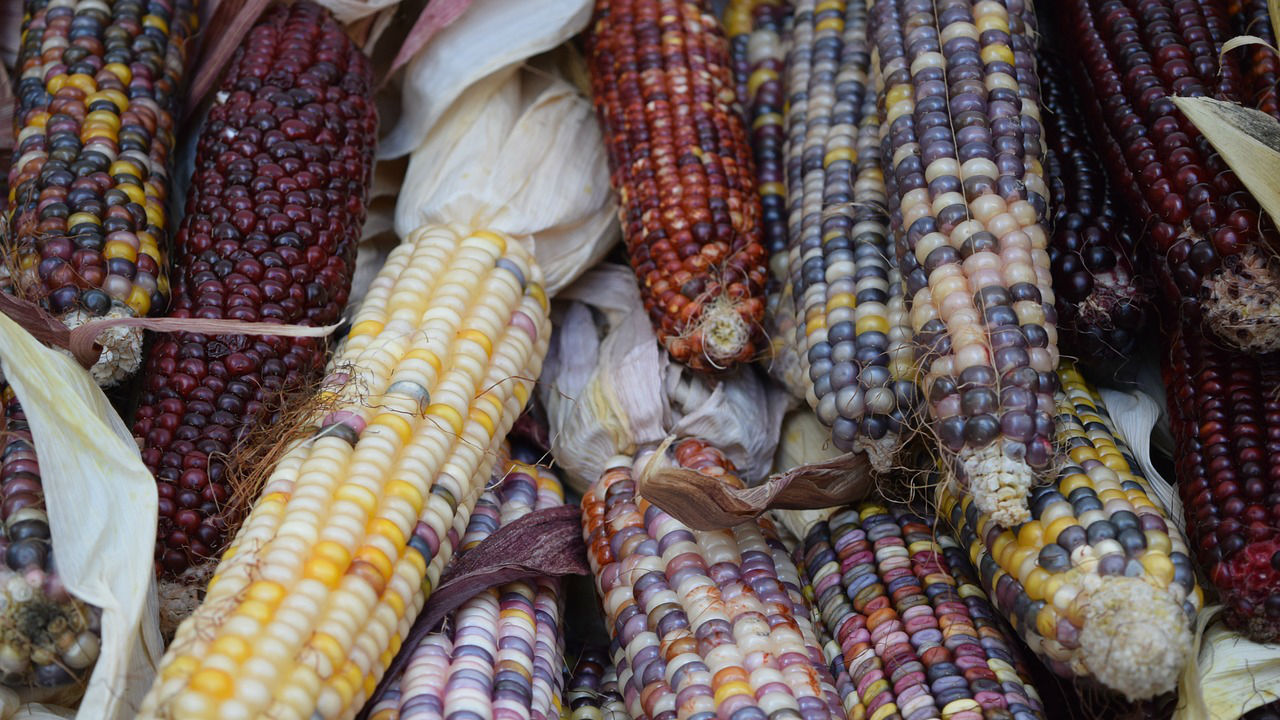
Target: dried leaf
(349, 12)
(1249, 140)
(1231, 675)
(1273, 12)
(545, 543)
(228, 24)
(436, 16)
(1240, 41)
(704, 502)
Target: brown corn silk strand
(962, 160)
(283, 168)
(681, 162)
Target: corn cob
(1225, 419)
(681, 163)
(48, 638)
(919, 640)
(756, 29)
(505, 642)
(703, 623)
(352, 530)
(593, 689)
(1098, 582)
(1102, 307)
(962, 155)
(283, 168)
(853, 334)
(1261, 66)
(1213, 258)
(98, 84)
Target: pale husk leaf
(1136, 415)
(489, 36)
(1231, 675)
(1249, 140)
(519, 153)
(349, 11)
(609, 389)
(94, 483)
(804, 440)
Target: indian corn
(283, 167)
(962, 154)
(1102, 307)
(916, 636)
(97, 87)
(356, 523)
(1213, 258)
(681, 163)
(48, 639)
(1225, 418)
(852, 332)
(592, 691)
(703, 622)
(500, 654)
(1098, 581)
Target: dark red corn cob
(1213, 259)
(283, 168)
(1225, 412)
(1261, 65)
(1102, 307)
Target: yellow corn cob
(355, 525)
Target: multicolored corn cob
(1261, 65)
(853, 333)
(703, 621)
(1214, 260)
(1098, 582)
(283, 168)
(681, 162)
(48, 639)
(917, 638)
(592, 692)
(1225, 417)
(356, 523)
(501, 652)
(1102, 307)
(963, 161)
(98, 84)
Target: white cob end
(121, 346)
(724, 333)
(1242, 305)
(999, 484)
(1136, 639)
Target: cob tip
(998, 483)
(121, 346)
(1242, 304)
(724, 334)
(1135, 638)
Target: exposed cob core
(356, 523)
(917, 639)
(681, 163)
(1215, 261)
(282, 172)
(1225, 417)
(703, 622)
(962, 157)
(48, 639)
(501, 653)
(97, 87)
(1098, 582)
(852, 332)
(1102, 307)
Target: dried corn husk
(1231, 675)
(489, 37)
(804, 440)
(519, 153)
(350, 11)
(90, 495)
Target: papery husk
(1231, 675)
(519, 153)
(610, 390)
(350, 11)
(94, 484)
(1137, 415)
(803, 440)
(490, 36)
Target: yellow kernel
(75, 219)
(267, 592)
(1031, 534)
(155, 214)
(234, 647)
(396, 423)
(425, 355)
(1036, 583)
(729, 689)
(872, 323)
(157, 22)
(214, 683)
(119, 249)
(538, 294)
(492, 237)
(395, 602)
(366, 327)
(181, 665)
(840, 300)
(139, 300)
(886, 710)
(55, 83)
(123, 167)
(135, 192)
(377, 559)
(521, 392)
(386, 528)
(759, 77)
(333, 552)
(477, 337)
(257, 610)
(121, 71)
(402, 489)
(772, 188)
(448, 414)
(328, 646)
(1158, 566)
(483, 418)
(324, 571)
(109, 119)
(361, 496)
(815, 324)
(836, 154)
(1056, 527)
(997, 52)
